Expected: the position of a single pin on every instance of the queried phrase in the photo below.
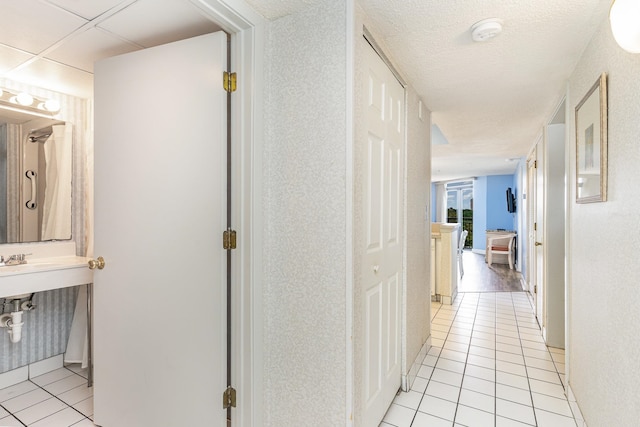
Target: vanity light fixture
(624, 17)
(23, 101)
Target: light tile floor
(59, 398)
(488, 366)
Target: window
(460, 207)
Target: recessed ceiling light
(486, 29)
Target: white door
(382, 263)
(160, 191)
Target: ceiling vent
(486, 29)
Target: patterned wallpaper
(45, 331)
(46, 328)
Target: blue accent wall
(490, 207)
(497, 214)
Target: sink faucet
(13, 260)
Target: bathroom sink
(43, 273)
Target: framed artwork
(591, 144)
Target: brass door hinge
(229, 239)
(535, 289)
(229, 81)
(229, 398)
(535, 164)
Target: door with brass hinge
(160, 311)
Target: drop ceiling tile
(57, 77)
(155, 22)
(11, 58)
(86, 9)
(86, 48)
(33, 26)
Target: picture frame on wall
(591, 144)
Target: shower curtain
(56, 209)
(56, 224)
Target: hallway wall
(603, 296)
(305, 217)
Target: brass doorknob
(538, 244)
(96, 263)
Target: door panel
(382, 261)
(160, 208)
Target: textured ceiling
(489, 100)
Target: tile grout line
(51, 394)
(526, 370)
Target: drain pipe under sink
(13, 322)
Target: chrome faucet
(13, 260)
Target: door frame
(246, 29)
(532, 197)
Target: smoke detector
(486, 29)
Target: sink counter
(43, 274)
(50, 265)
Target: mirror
(35, 178)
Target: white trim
(247, 39)
(349, 212)
(568, 274)
(407, 380)
(575, 407)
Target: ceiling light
(624, 17)
(486, 29)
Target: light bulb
(624, 17)
(24, 98)
(52, 105)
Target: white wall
(604, 298)
(305, 193)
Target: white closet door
(160, 210)
(382, 263)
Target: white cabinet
(446, 262)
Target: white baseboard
(524, 285)
(407, 380)
(14, 376)
(24, 373)
(573, 403)
(46, 365)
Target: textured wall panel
(305, 219)
(604, 344)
